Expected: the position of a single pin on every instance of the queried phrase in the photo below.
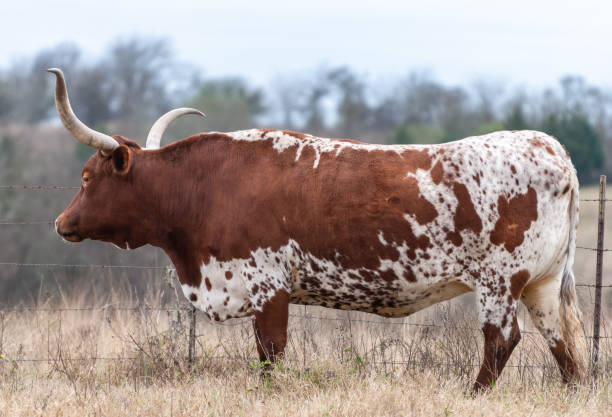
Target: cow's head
(108, 206)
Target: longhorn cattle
(257, 219)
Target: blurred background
(383, 72)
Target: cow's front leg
(270, 325)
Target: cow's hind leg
(557, 318)
(497, 315)
(270, 327)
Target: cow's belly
(397, 287)
(385, 303)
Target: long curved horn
(158, 128)
(78, 129)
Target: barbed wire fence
(183, 307)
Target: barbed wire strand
(145, 267)
(593, 249)
(594, 200)
(246, 321)
(37, 187)
(412, 363)
(56, 265)
(26, 222)
(593, 286)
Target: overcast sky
(521, 42)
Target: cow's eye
(85, 179)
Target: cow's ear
(122, 159)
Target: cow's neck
(179, 201)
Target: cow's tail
(569, 312)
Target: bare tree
(93, 95)
(487, 95)
(25, 93)
(288, 94)
(140, 74)
(353, 110)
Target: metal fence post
(598, 277)
(192, 333)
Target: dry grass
(330, 392)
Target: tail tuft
(571, 317)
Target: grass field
(133, 363)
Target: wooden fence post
(598, 277)
(192, 333)
(304, 318)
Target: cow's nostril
(57, 223)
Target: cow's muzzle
(66, 232)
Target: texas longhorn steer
(257, 219)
